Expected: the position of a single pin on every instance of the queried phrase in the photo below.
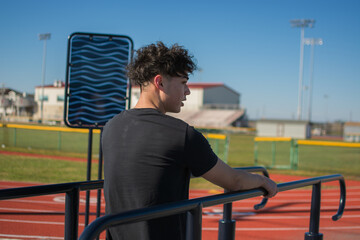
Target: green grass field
(29, 169)
(313, 160)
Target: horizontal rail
(328, 144)
(307, 142)
(100, 224)
(48, 128)
(216, 136)
(21, 192)
(272, 139)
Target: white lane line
(57, 201)
(251, 216)
(82, 200)
(29, 210)
(37, 222)
(29, 236)
(33, 201)
(275, 208)
(285, 229)
(31, 221)
(285, 195)
(303, 200)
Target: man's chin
(175, 110)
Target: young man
(149, 156)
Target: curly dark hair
(174, 61)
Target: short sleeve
(199, 156)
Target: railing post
(59, 141)
(273, 151)
(227, 225)
(98, 203)
(88, 176)
(71, 214)
(217, 146)
(255, 153)
(313, 233)
(193, 223)
(227, 140)
(296, 155)
(14, 137)
(292, 160)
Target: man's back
(146, 163)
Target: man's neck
(149, 100)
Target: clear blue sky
(247, 44)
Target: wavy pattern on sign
(78, 84)
(98, 82)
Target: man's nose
(187, 90)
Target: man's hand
(270, 186)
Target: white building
(352, 132)
(15, 105)
(53, 101)
(208, 105)
(283, 128)
(203, 96)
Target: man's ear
(158, 82)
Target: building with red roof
(208, 105)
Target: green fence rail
(285, 153)
(281, 151)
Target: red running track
(286, 216)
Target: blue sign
(96, 86)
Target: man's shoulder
(176, 120)
(148, 115)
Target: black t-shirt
(148, 159)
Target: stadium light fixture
(301, 23)
(312, 42)
(44, 37)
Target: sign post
(96, 87)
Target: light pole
(43, 36)
(312, 42)
(301, 23)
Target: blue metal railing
(72, 191)
(194, 206)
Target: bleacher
(210, 117)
